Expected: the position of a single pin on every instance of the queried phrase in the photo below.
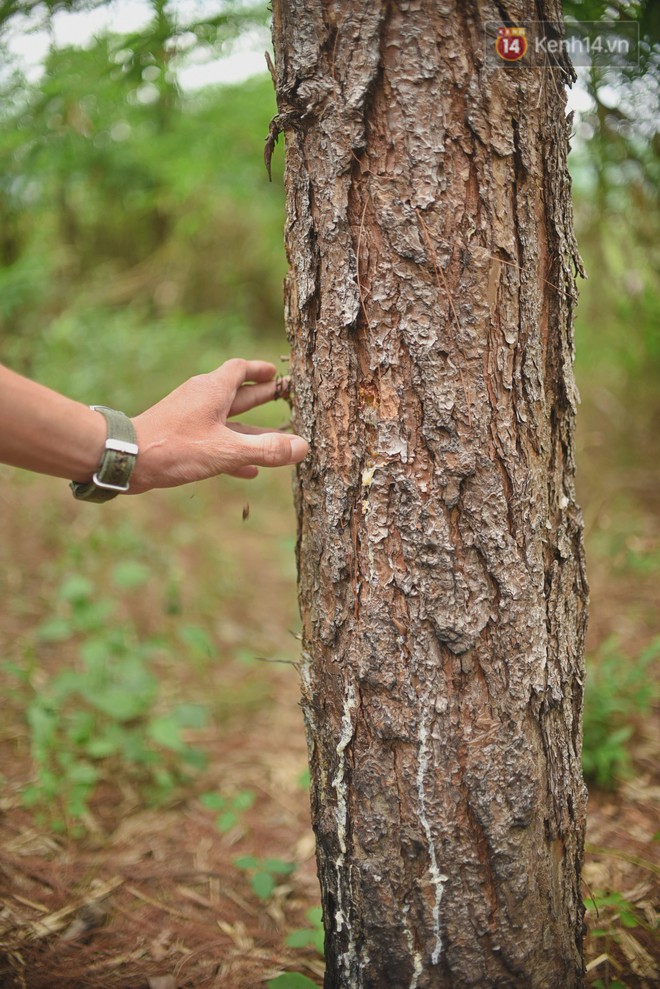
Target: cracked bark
(429, 303)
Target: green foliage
(130, 574)
(304, 780)
(613, 912)
(41, 10)
(645, 12)
(313, 936)
(291, 980)
(263, 873)
(101, 717)
(613, 907)
(133, 220)
(618, 692)
(615, 166)
(230, 809)
(168, 29)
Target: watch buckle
(119, 488)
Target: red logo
(511, 43)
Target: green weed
(230, 809)
(613, 912)
(291, 980)
(103, 712)
(263, 873)
(304, 780)
(612, 908)
(619, 691)
(313, 936)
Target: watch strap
(113, 475)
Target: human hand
(187, 436)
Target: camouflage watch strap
(114, 472)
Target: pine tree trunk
(429, 304)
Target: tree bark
(429, 304)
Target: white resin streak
(438, 880)
(415, 955)
(341, 787)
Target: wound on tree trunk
(429, 304)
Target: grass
(619, 695)
(112, 636)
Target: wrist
(112, 475)
(146, 468)
(87, 453)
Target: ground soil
(152, 898)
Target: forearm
(183, 438)
(41, 430)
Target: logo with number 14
(511, 43)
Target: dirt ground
(152, 898)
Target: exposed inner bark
(429, 305)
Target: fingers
(245, 427)
(236, 372)
(247, 384)
(186, 437)
(269, 449)
(250, 396)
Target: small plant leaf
(76, 588)
(129, 574)
(198, 641)
(82, 772)
(278, 866)
(55, 630)
(299, 938)
(166, 731)
(31, 795)
(225, 822)
(191, 715)
(291, 980)
(263, 884)
(101, 748)
(246, 862)
(243, 800)
(118, 704)
(194, 757)
(213, 801)
(315, 916)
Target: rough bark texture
(429, 305)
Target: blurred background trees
(616, 172)
(135, 219)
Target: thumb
(273, 449)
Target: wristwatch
(113, 474)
